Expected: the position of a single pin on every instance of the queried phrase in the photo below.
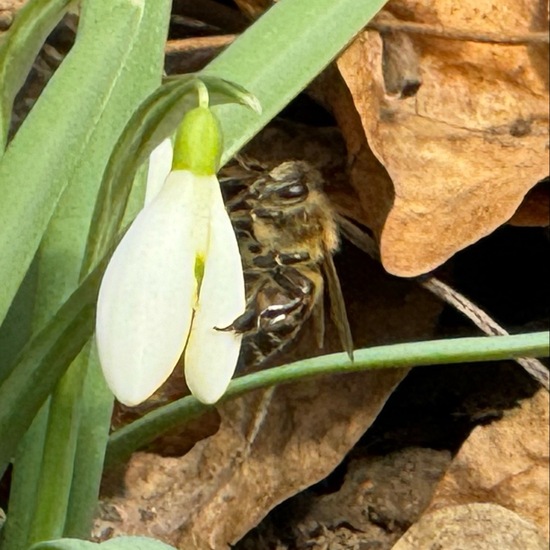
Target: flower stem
(202, 91)
(437, 352)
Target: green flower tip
(199, 269)
(198, 144)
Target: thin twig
(260, 416)
(488, 325)
(383, 26)
(184, 45)
(452, 297)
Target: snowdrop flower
(175, 278)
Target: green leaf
(278, 56)
(436, 352)
(23, 485)
(95, 422)
(64, 244)
(43, 361)
(65, 544)
(56, 471)
(20, 46)
(118, 543)
(41, 159)
(73, 471)
(16, 330)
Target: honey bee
(287, 235)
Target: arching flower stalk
(175, 278)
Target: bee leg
(245, 322)
(275, 315)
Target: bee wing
(338, 312)
(318, 317)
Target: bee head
(289, 183)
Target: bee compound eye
(295, 190)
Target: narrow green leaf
(55, 135)
(25, 475)
(65, 544)
(58, 457)
(20, 46)
(64, 243)
(278, 56)
(95, 422)
(436, 352)
(43, 361)
(16, 329)
(118, 543)
(71, 472)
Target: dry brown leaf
(227, 483)
(8, 9)
(475, 527)
(445, 167)
(253, 8)
(506, 463)
(534, 211)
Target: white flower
(160, 165)
(175, 278)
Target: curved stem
(439, 352)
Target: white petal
(160, 165)
(211, 355)
(145, 301)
